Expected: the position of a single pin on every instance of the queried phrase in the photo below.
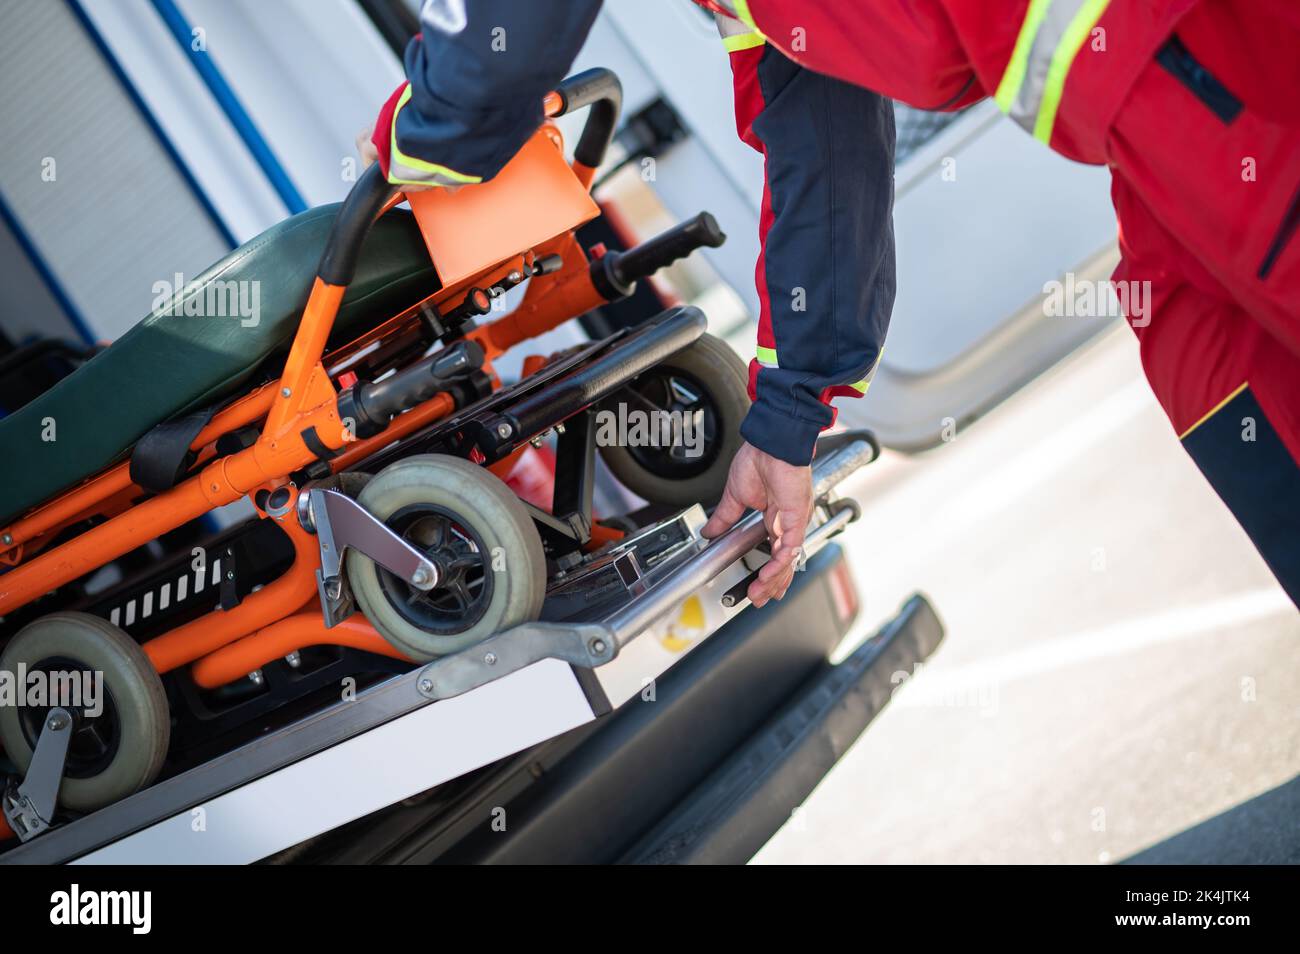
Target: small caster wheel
(119, 739)
(708, 381)
(491, 566)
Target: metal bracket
(341, 523)
(682, 530)
(336, 600)
(229, 580)
(584, 644)
(29, 807)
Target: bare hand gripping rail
(596, 643)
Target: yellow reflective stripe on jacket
(742, 41)
(742, 13)
(767, 358)
(1050, 38)
(736, 36)
(861, 386)
(407, 170)
(1014, 75)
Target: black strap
(162, 457)
(316, 445)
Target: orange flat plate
(534, 198)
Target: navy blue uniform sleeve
(477, 76)
(826, 277)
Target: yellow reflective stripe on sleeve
(431, 181)
(735, 35)
(767, 358)
(1215, 410)
(742, 41)
(402, 168)
(1062, 60)
(861, 386)
(742, 12)
(1014, 77)
(1050, 38)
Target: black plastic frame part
(600, 89)
(338, 263)
(746, 799)
(667, 247)
(650, 345)
(550, 396)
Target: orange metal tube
(246, 410)
(223, 481)
(99, 545)
(548, 303)
(278, 452)
(220, 627)
(107, 484)
(304, 355)
(279, 639)
(70, 504)
(572, 296)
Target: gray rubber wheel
(115, 753)
(708, 380)
(490, 560)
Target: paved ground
(1121, 675)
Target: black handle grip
(372, 405)
(371, 191)
(666, 248)
(600, 89)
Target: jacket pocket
(1179, 61)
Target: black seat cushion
(173, 362)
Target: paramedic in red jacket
(1192, 104)
(1195, 107)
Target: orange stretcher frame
(277, 619)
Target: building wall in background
(84, 175)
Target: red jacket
(1192, 104)
(942, 54)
